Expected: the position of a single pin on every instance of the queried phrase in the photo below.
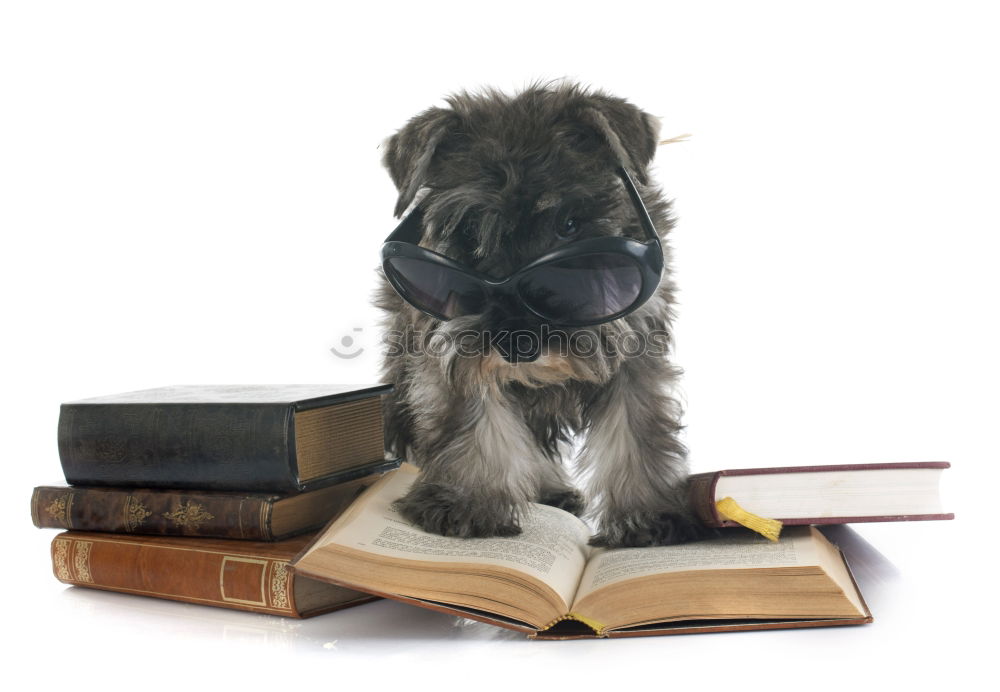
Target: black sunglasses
(587, 282)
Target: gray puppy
(487, 403)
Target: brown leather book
(549, 583)
(241, 575)
(833, 494)
(202, 513)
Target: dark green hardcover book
(263, 438)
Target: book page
(825, 494)
(552, 546)
(733, 551)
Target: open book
(549, 583)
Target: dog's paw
(666, 528)
(448, 512)
(569, 500)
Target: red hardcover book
(834, 494)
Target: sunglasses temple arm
(640, 208)
(409, 229)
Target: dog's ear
(409, 152)
(628, 131)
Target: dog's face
(503, 180)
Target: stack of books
(280, 500)
(205, 494)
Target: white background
(191, 192)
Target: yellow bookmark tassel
(592, 624)
(768, 528)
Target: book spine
(208, 577)
(152, 513)
(245, 447)
(701, 498)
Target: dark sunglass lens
(434, 287)
(583, 289)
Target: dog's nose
(516, 341)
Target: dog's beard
(462, 351)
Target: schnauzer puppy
(487, 399)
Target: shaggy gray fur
(497, 175)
